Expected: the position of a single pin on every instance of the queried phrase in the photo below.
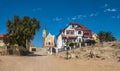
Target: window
(49, 43)
(72, 32)
(67, 32)
(73, 26)
(79, 32)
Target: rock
(73, 55)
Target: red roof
(72, 23)
(72, 37)
(61, 30)
(83, 28)
(80, 27)
(88, 32)
(1, 35)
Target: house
(32, 48)
(1, 40)
(74, 33)
(95, 38)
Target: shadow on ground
(36, 55)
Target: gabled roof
(1, 35)
(80, 27)
(61, 30)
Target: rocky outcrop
(112, 51)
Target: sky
(97, 15)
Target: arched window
(49, 43)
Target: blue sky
(97, 15)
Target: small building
(95, 38)
(2, 45)
(1, 40)
(32, 48)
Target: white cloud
(84, 16)
(57, 19)
(93, 14)
(36, 9)
(113, 17)
(116, 17)
(106, 5)
(110, 10)
(74, 18)
(113, 10)
(78, 17)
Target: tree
(105, 36)
(101, 36)
(21, 31)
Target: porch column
(50, 50)
(79, 44)
(85, 44)
(56, 50)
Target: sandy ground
(52, 63)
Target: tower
(43, 36)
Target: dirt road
(52, 63)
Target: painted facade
(73, 33)
(47, 40)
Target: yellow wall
(49, 41)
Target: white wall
(59, 42)
(70, 28)
(79, 34)
(1, 42)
